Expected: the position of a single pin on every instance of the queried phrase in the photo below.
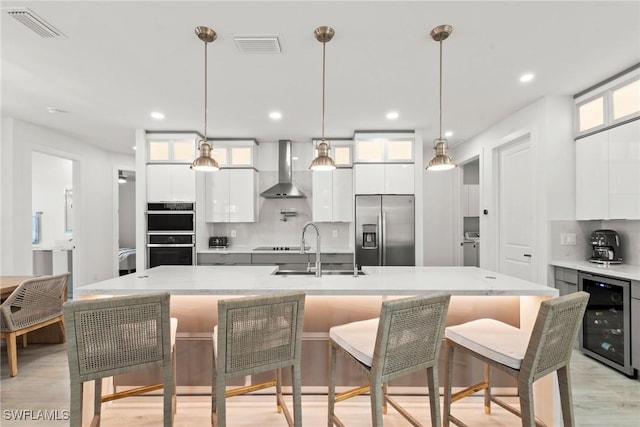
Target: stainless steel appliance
(218, 242)
(170, 234)
(385, 230)
(606, 326)
(606, 247)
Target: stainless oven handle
(170, 233)
(170, 245)
(170, 212)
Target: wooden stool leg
(525, 393)
(434, 396)
(278, 389)
(487, 391)
(384, 399)
(24, 340)
(566, 400)
(12, 354)
(446, 410)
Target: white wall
(50, 177)
(94, 180)
(548, 122)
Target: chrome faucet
(318, 266)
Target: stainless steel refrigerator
(385, 230)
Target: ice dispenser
(369, 238)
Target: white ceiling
(120, 60)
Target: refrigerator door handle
(380, 237)
(384, 238)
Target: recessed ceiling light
(54, 110)
(157, 115)
(275, 115)
(448, 134)
(134, 148)
(392, 115)
(527, 77)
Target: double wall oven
(171, 230)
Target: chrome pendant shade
(205, 161)
(323, 162)
(441, 160)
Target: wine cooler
(606, 334)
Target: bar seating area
(109, 336)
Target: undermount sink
(312, 273)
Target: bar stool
(527, 357)
(111, 336)
(405, 339)
(254, 335)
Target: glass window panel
(591, 114)
(220, 154)
(241, 156)
(626, 100)
(183, 150)
(159, 150)
(400, 150)
(341, 155)
(370, 150)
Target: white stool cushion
(493, 339)
(357, 338)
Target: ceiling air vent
(35, 23)
(257, 44)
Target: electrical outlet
(568, 239)
(334, 233)
(233, 233)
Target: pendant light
(441, 161)
(323, 162)
(205, 161)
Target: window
(591, 114)
(626, 100)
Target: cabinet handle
(527, 255)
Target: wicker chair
(112, 336)
(254, 335)
(527, 357)
(34, 304)
(405, 339)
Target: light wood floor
(602, 398)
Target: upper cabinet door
(592, 177)
(243, 193)
(217, 196)
(399, 178)
(624, 171)
(342, 195)
(322, 187)
(183, 183)
(159, 183)
(369, 178)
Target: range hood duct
(284, 189)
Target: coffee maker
(606, 247)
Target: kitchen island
(332, 299)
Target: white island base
(334, 300)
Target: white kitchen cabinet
(471, 200)
(384, 178)
(170, 183)
(608, 174)
(231, 196)
(624, 171)
(333, 196)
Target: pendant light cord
(205, 92)
(440, 89)
(324, 46)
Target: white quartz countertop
(623, 271)
(253, 280)
(245, 249)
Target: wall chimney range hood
(284, 189)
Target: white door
(516, 198)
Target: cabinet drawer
(568, 275)
(224, 259)
(271, 259)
